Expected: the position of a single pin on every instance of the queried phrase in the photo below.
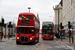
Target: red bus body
(48, 31)
(27, 28)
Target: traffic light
(1, 24)
(4, 25)
(61, 27)
(69, 26)
(70, 33)
(2, 21)
(10, 25)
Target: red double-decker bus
(47, 30)
(27, 28)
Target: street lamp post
(58, 21)
(13, 20)
(29, 8)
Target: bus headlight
(17, 37)
(30, 38)
(51, 35)
(42, 36)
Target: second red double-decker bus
(47, 30)
(27, 28)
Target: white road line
(69, 47)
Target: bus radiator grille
(24, 39)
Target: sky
(10, 9)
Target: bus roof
(47, 21)
(26, 13)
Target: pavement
(66, 41)
(6, 39)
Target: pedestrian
(1, 35)
(57, 35)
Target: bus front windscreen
(22, 30)
(47, 28)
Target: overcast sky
(9, 9)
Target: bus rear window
(30, 17)
(45, 27)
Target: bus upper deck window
(30, 17)
(20, 18)
(34, 18)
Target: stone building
(66, 13)
(58, 13)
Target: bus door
(37, 33)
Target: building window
(74, 9)
(74, 19)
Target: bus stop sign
(72, 27)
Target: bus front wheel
(33, 41)
(38, 40)
(17, 42)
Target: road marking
(54, 43)
(5, 40)
(68, 46)
(62, 44)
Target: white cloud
(10, 9)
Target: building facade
(58, 13)
(66, 13)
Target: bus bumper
(19, 39)
(47, 37)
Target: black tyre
(44, 39)
(38, 40)
(33, 41)
(18, 43)
(53, 37)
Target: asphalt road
(42, 45)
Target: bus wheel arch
(33, 42)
